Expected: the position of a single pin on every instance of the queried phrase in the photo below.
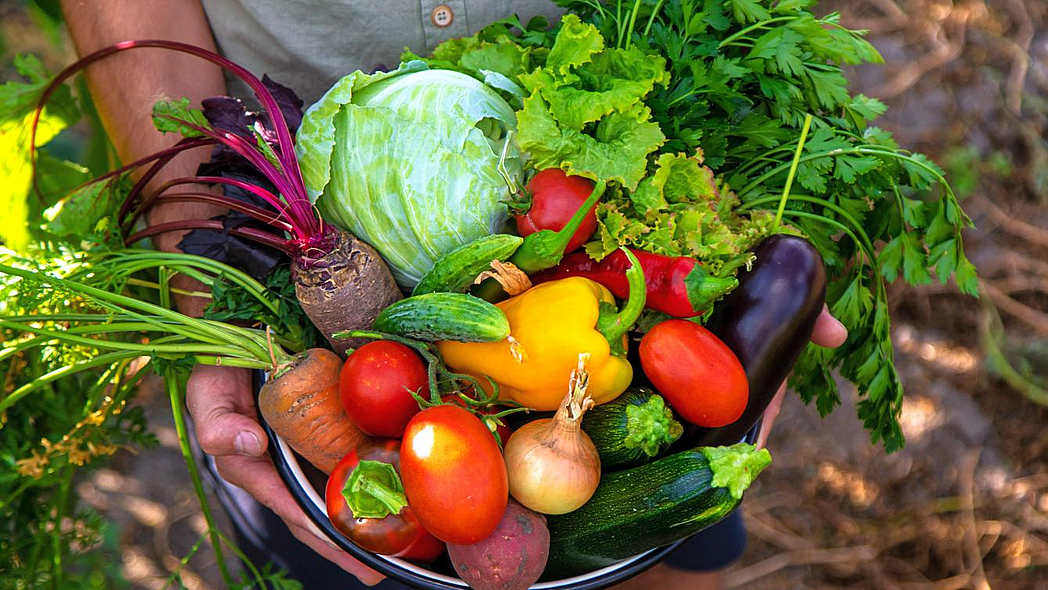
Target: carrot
(301, 403)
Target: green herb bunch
(746, 118)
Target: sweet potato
(512, 558)
(301, 403)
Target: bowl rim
(294, 479)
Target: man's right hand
(223, 409)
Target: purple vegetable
(767, 321)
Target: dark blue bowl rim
(284, 469)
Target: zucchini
(444, 316)
(455, 271)
(632, 428)
(652, 505)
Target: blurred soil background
(965, 504)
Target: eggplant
(766, 321)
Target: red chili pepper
(676, 285)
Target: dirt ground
(965, 504)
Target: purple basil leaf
(231, 114)
(289, 102)
(226, 112)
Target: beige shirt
(309, 44)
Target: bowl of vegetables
(426, 562)
(561, 272)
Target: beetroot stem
(285, 144)
(257, 235)
(262, 193)
(250, 152)
(264, 215)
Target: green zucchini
(455, 271)
(631, 429)
(652, 505)
(444, 316)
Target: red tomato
(401, 534)
(375, 384)
(699, 375)
(500, 429)
(555, 197)
(454, 474)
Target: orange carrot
(301, 403)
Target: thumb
(223, 410)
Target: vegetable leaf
(172, 116)
(746, 11)
(17, 102)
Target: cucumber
(444, 316)
(652, 505)
(455, 271)
(631, 429)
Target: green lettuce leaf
(679, 210)
(585, 113)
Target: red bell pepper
(366, 503)
(675, 285)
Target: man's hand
(828, 332)
(223, 411)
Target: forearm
(126, 85)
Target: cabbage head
(408, 162)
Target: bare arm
(126, 85)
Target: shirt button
(442, 16)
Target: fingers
(223, 410)
(828, 332)
(770, 414)
(258, 477)
(366, 575)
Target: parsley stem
(870, 254)
(751, 28)
(792, 173)
(868, 149)
(654, 12)
(633, 23)
(866, 241)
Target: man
(308, 45)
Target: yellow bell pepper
(552, 323)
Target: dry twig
(971, 534)
(842, 556)
(1012, 225)
(1032, 317)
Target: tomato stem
(374, 490)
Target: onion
(552, 464)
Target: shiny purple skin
(767, 321)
